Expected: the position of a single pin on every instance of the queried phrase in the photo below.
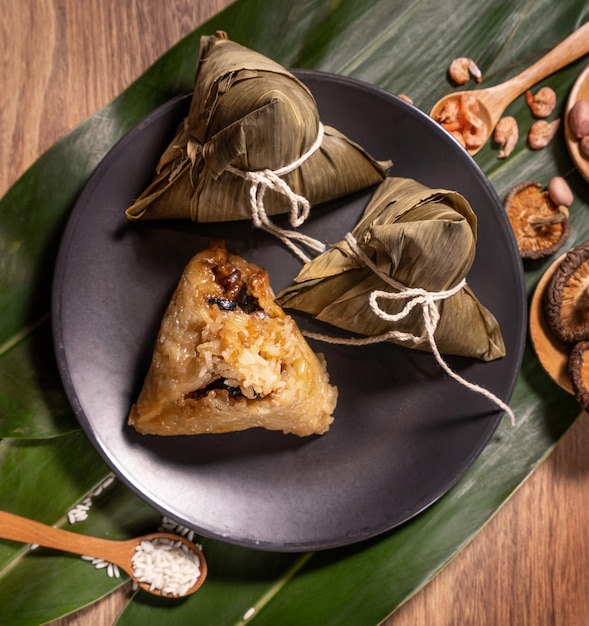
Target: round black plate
(404, 433)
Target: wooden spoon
(494, 101)
(17, 528)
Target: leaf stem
(20, 336)
(276, 587)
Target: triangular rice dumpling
(250, 114)
(421, 238)
(228, 358)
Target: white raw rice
(167, 566)
(248, 614)
(108, 481)
(167, 525)
(170, 526)
(79, 513)
(112, 570)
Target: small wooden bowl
(579, 91)
(552, 353)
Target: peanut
(559, 191)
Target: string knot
(416, 297)
(300, 207)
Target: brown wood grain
(61, 61)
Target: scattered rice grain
(105, 483)
(108, 481)
(112, 570)
(249, 613)
(169, 525)
(78, 514)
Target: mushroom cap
(530, 210)
(566, 300)
(579, 372)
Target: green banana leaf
(37, 466)
(47, 465)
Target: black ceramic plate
(404, 433)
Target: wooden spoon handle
(568, 50)
(17, 528)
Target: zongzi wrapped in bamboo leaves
(421, 238)
(248, 113)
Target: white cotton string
(300, 207)
(431, 316)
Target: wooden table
(64, 59)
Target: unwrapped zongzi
(228, 358)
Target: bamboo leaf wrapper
(249, 113)
(420, 237)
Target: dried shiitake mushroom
(539, 225)
(578, 367)
(566, 300)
